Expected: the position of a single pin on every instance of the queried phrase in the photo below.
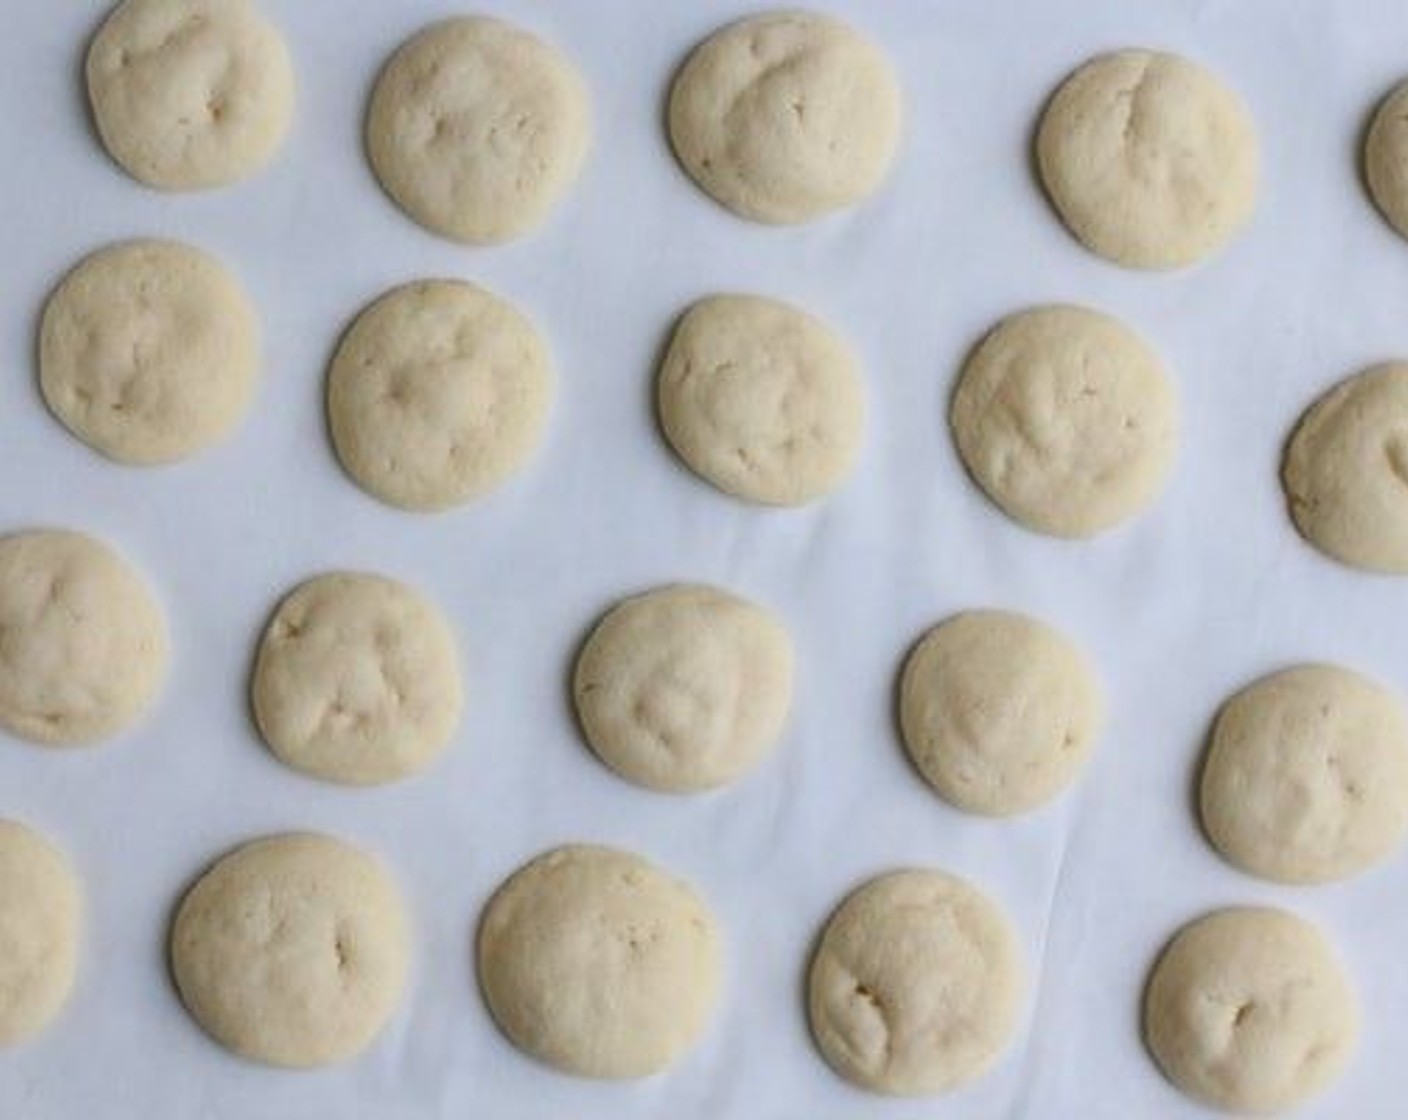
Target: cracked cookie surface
(357, 680)
(761, 399)
(1345, 471)
(1066, 420)
(149, 352)
(597, 962)
(438, 392)
(83, 646)
(292, 950)
(684, 688)
(1248, 1010)
(998, 711)
(785, 117)
(1306, 776)
(1149, 159)
(477, 129)
(916, 984)
(190, 94)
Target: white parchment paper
(1208, 590)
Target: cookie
(762, 400)
(1247, 1010)
(1066, 420)
(1345, 471)
(292, 950)
(357, 680)
(190, 94)
(684, 688)
(916, 984)
(1149, 159)
(149, 352)
(1386, 158)
(85, 648)
(41, 913)
(999, 712)
(786, 117)
(598, 963)
(477, 129)
(1306, 775)
(437, 394)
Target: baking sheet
(1208, 590)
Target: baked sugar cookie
(1306, 777)
(598, 963)
(1066, 419)
(1386, 158)
(357, 680)
(438, 392)
(998, 711)
(40, 917)
(761, 399)
(292, 950)
(149, 352)
(785, 117)
(1149, 159)
(1247, 1010)
(916, 984)
(190, 94)
(477, 129)
(1346, 471)
(82, 641)
(684, 688)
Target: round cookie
(477, 129)
(785, 117)
(684, 688)
(916, 984)
(761, 399)
(292, 950)
(1386, 158)
(598, 963)
(82, 641)
(357, 680)
(190, 94)
(149, 352)
(1345, 471)
(438, 392)
(1066, 420)
(1149, 159)
(998, 711)
(40, 917)
(1306, 777)
(1247, 1010)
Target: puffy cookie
(1150, 160)
(761, 399)
(437, 394)
(1247, 1010)
(999, 712)
(685, 687)
(1066, 420)
(598, 963)
(292, 950)
(84, 647)
(916, 984)
(1306, 775)
(149, 352)
(785, 117)
(190, 94)
(477, 129)
(357, 680)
